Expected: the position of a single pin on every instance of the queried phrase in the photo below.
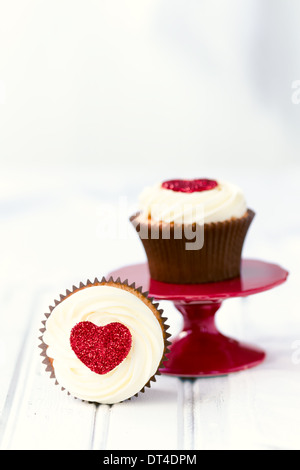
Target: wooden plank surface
(254, 409)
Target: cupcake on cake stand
(200, 350)
(198, 279)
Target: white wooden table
(51, 238)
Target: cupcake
(105, 341)
(193, 231)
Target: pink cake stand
(200, 350)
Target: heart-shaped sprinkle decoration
(100, 348)
(190, 186)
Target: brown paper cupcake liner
(138, 291)
(219, 258)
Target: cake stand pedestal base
(201, 350)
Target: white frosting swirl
(102, 305)
(224, 202)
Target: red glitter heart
(100, 348)
(190, 186)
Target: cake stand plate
(200, 350)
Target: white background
(149, 82)
(98, 99)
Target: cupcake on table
(105, 341)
